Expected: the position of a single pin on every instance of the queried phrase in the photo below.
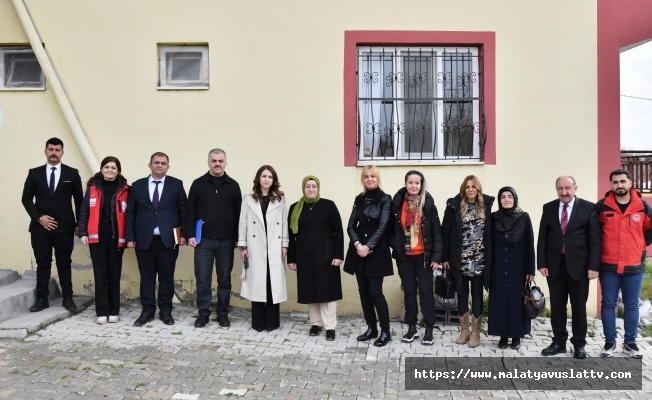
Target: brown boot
(465, 333)
(475, 331)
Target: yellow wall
(276, 97)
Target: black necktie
(155, 197)
(52, 181)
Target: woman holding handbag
(417, 247)
(512, 266)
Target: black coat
(433, 242)
(582, 241)
(509, 266)
(370, 224)
(38, 202)
(219, 208)
(452, 229)
(320, 240)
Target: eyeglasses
(163, 163)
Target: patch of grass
(251, 363)
(646, 288)
(177, 333)
(646, 331)
(139, 385)
(141, 361)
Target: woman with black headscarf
(512, 264)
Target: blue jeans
(220, 253)
(630, 285)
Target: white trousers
(323, 314)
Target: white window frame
(165, 79)
(17, 86)
(398, 114)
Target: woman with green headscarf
(315, 252)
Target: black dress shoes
(502, 343)
(371, 333)
(69, 304)
(516, 343)
(384, 338)
(579, 352)
(40, 305)
(315, 330)
(201, 321)
(223, 321)
(144, 318)
(554, 348)
(330, 335)
(166, 318)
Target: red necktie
(564, 224)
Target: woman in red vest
(102, 226)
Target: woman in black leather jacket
(418, 244)
(369, 257)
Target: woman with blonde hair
(467, 252)
(369, 257)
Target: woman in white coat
(263, 243)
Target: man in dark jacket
(47, 198)
(155, 218)
(212, 216)
(626, 231)
(568, 255)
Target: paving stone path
(78, 359)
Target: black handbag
(445, 286)
(534, 301)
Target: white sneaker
(113, 319)
(633, 350)
(608, 350)
(101, 320)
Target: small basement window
(183, 67)
(20, 70)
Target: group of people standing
(483, 250)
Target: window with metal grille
(183, 67)
(19, 69)
(419, 104)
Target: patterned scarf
(411, 225)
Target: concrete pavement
(78, 359)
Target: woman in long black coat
(512, 265)
(315, 252)
(369, 256)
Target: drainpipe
(55, 84)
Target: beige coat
(251, 234)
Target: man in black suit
(47, 198)
(157, 207)
(568, 254)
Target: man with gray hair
(212, 216)
(568, 255)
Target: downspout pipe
(54, 82)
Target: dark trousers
(157, 260)
(107, 268)
(562, 287)
(267, 315)
(414, 273)
(477, 301)
(42, 244)
(373, 301)
(220, 253)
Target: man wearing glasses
(155, 227)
